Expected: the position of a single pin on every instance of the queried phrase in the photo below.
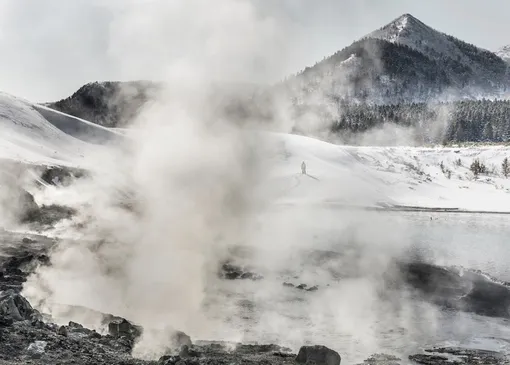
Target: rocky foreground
(25, 338)
(29, 337)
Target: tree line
(462, 121)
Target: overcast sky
(49, 48)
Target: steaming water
(345, 253)
(348, 315)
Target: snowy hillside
(386, 176)
(504, 53)
(373, 177)
(52, 138)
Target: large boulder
(121, 327)
(318, 355)
(13, 306)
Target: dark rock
(169, 360)
(180, 339)
(283, 354)
(6, 322)
(37, 323)
(250, 276)
(470, 292)
(74, 325)
(301, 287)
(94, 334)
(15, 274)
(319, 355)
(250, 349)
(62, 331)
(121, 327)
(442, 356)
(16, 287)
(14, 264)
(44, 259)
(27, 240)
(431, 359)
(15, 307)
(16, 269)
(464, 356)
(48, 215)
(233, 272)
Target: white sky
(52, 47)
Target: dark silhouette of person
(303, 168)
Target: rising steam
(161, 210)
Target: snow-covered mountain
(404, 61)
(504, 53)
(409, 31)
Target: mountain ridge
(405, 61)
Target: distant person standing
(303, 168)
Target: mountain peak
(406, 29)
(409, 31)
(406, 17)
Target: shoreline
(399, 208)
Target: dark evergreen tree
(505, 167)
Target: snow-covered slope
(337, 175)
(389, 176)
(53, 138)
(504, 53)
